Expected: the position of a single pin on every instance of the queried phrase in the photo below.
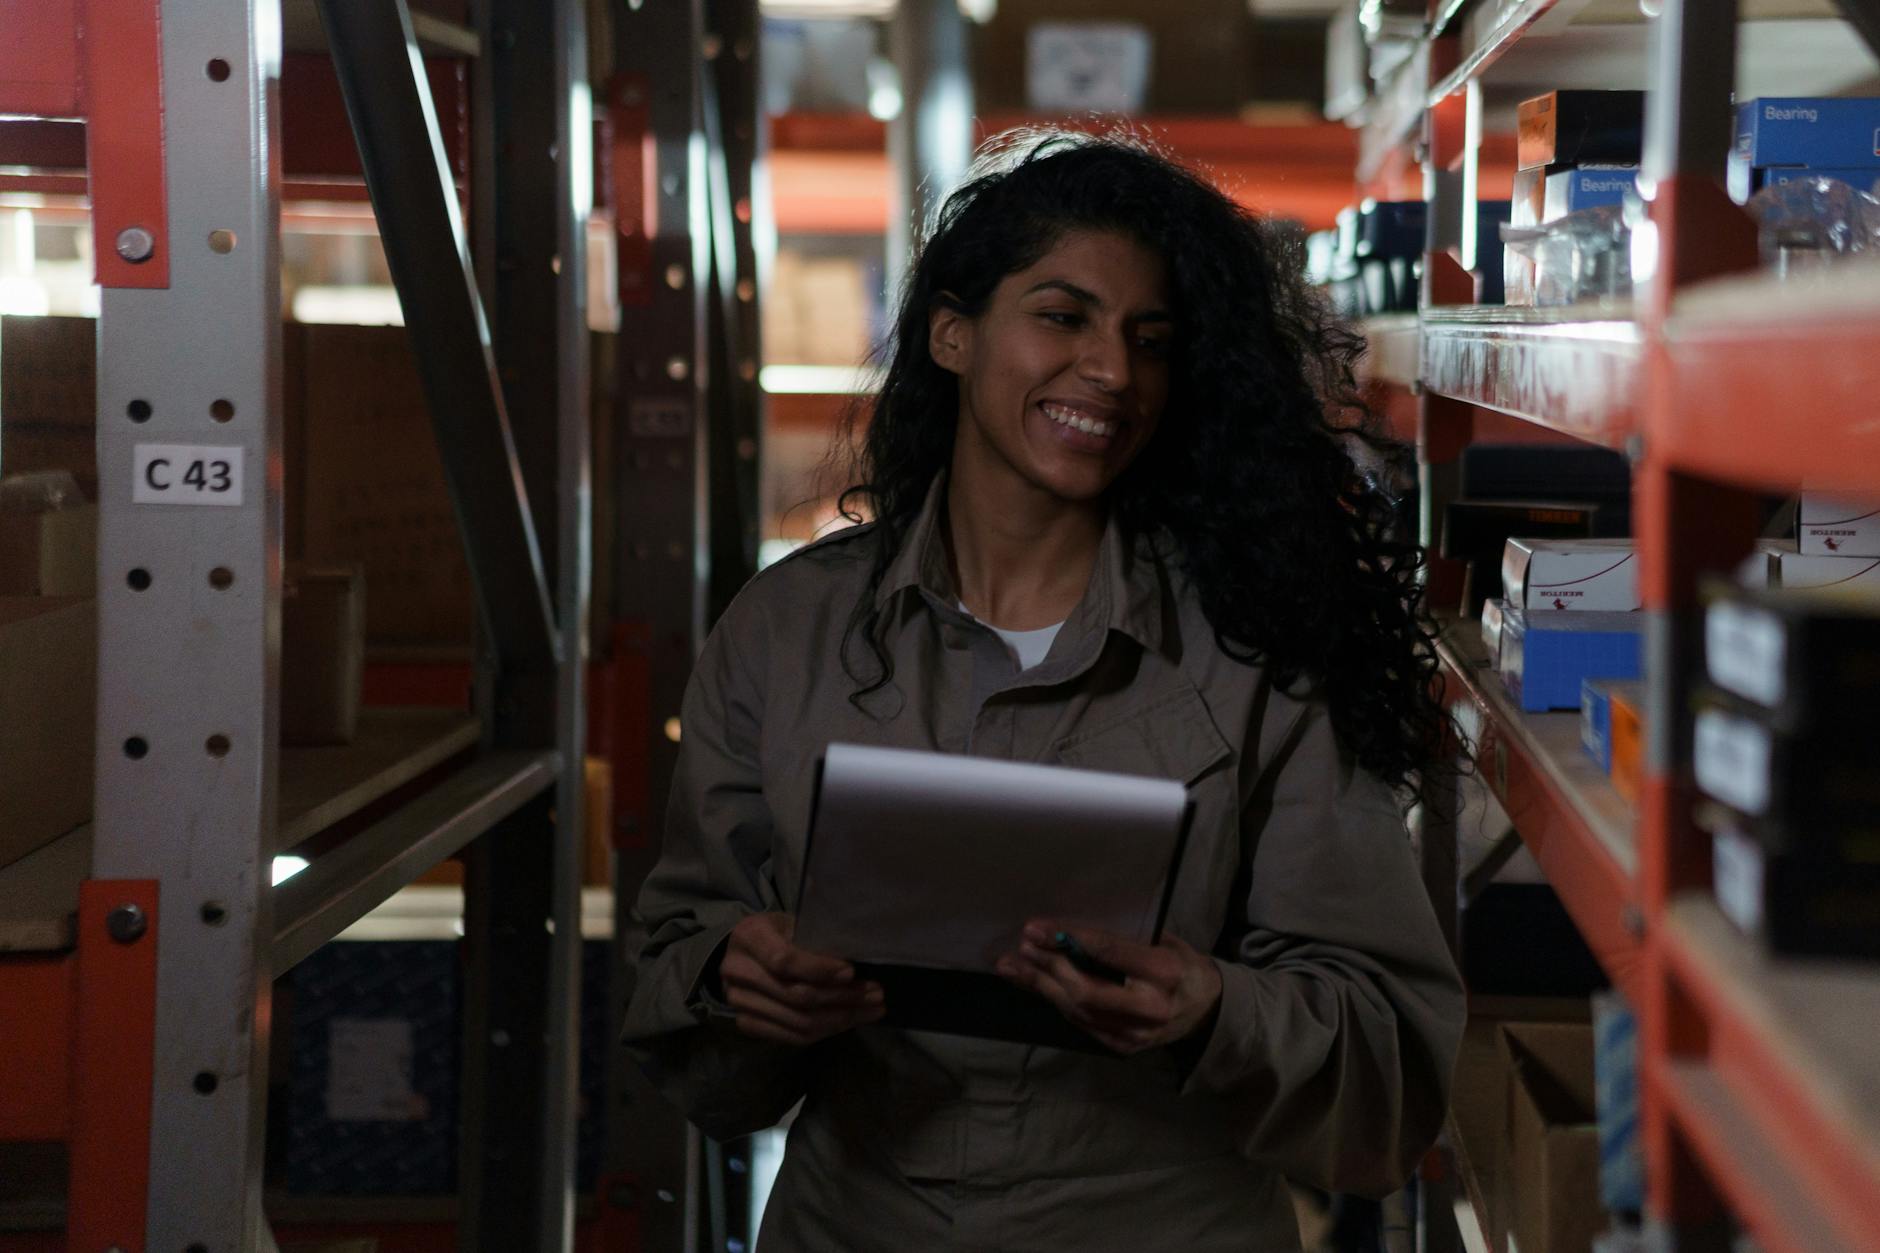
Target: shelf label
(187, 474)
(1732, 756)
(1746, 652)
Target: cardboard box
(1477, 531)
(1565, 128)
(1479, 1104)
(1553, 1139)
(1627, 713)
(1828, 526)
(1816, 132)
(50, 553)
(48, 695)
(374, 486)
(1580, 574)
(1543, 195)
(48, 394)
(323, 650)
(1587, 187)
(1546, 655)
(1493, 613)
(1853, 577)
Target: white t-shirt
(1028, 647)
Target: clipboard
(921, 869)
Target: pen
(1080, 957)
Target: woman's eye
(1154, 347)
(1058, 317)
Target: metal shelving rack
(138, 1034)
(1760, 1084)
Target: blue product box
(1819, 133)
(1596, 721)
(1588, 187)
(1547, 654)
(1615, 1102)
(372, 1088)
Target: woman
(1113, 529)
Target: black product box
(1814, 778)
(1477, 531)
(1582, 473)
(1567, 128)
(1806, 659)
(1799, 903)
(1517, 939)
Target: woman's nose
(1105, 362)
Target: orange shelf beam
(1788, 1048)
(1578, 833)
(1771, 393)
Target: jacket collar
(1126, 593)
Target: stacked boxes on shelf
(1783, 754)
(1577, 154)
(1567, 616)
(1782, 139)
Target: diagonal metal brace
(381, 76)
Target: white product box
(1858, 576)
(1492, 611)
(1586, 574)
(1837, 527)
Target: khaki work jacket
(1340, 1012)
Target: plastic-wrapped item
(1584, 256)
(1811, 223)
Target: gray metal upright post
(734, 136)
(662, 455)
(522, 881)
(931, 143)
(188, 432)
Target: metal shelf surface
(1736, 351)
(1576, 371)
(342, 885)
(1580, 830)
(1790, 1059)
(318, 788)
(322, 786)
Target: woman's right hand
(787, 994)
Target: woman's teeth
(1071, 418)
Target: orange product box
(1628, 738)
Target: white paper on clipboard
(938, 860)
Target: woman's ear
(949, 336)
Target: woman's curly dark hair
(1249, 478)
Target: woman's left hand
(1170, 992)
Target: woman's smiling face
(1064, 374)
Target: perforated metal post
(662, 451)
(189, 561)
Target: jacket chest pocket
(1174, 737)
